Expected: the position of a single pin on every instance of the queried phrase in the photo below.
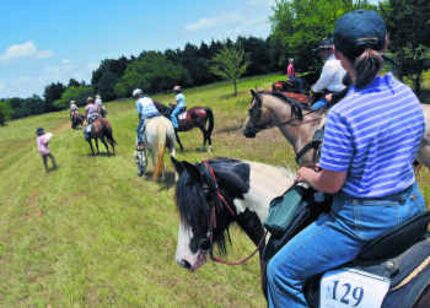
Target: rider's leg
(174, 117)
(319, 104)
(334, 239)
(139, 131)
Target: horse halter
(220, 202)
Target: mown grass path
(92, 233)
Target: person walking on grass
(42, 141)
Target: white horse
(159, 134)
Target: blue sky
(43, 41)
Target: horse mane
(192, 204)
(296, 106)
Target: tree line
(297, 28)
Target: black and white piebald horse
(213, 194)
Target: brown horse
(298, 125)
(200, 117)
(296, 122)
(100, 129)
(76, 120)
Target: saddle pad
(182, 116)
(298, 97)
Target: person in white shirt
(331, 78)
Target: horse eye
(204, 244)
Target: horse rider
(146, 109)
(99, 105)
(179, 106)
(74, 110)
(91, 114)
(370, 142)
(332, 74)
(295, 81)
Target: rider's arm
(325, 78)
(336, 155)
(322, 180)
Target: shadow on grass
(101, 154)
(166, 183)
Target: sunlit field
(93, 233)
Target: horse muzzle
(249, 132)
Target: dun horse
(213, 194)
(298, 124)
(200, 117)
(101, 129)
(159, 134)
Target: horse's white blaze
(266, 182)
(183, 251)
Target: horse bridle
(314, 144)
(221, 201)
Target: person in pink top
(42, 146)
(291, 73)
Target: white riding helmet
(137, 92)
(177, 88)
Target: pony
(100, 129)
(211, 195)
(200, 117)
(298, 124)
(245, 188)
(76, 120)
(158, 135)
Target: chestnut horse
(101, 129)
(200, 117)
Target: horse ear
(192, 170)
(179, 167)
(253, 92)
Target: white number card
(352, 288)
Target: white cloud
(25, 50)
(2, 86)
(212, 22)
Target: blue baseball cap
(358, 30)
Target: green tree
(107, 75)
(152, 72)
(52, 92)
(299, 25)
(79, 94)
(230, 63)
(408, 23)
(4, 112)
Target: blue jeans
(319, 104)
(334, 239)
(139, 130)
(174, 116)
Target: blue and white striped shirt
(374, 134)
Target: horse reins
(213, 223)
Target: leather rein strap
(213, 223)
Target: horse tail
(211, 121)
(161, 147)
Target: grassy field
(92, 233)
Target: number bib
(352, 288)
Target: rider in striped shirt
(371, 139)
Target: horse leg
(97, 146)
(179, 140)
(105, 144)
(91, 146)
